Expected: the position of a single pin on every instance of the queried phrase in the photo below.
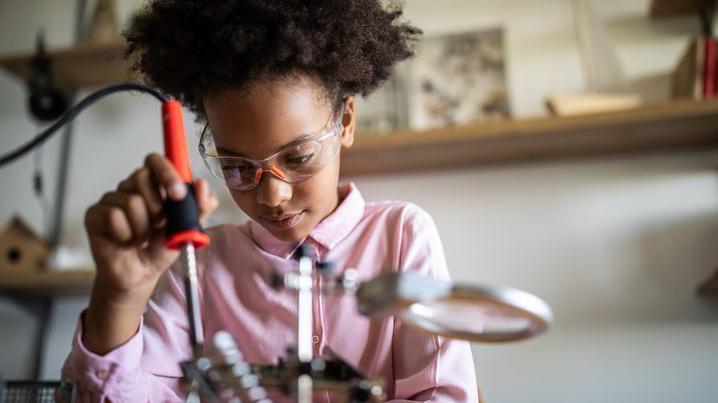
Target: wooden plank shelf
(79, 66)
(674, 8)
(47, 283)
(671, 126)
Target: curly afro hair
(189, 48)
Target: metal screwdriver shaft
(191, 289)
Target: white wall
(615, 245)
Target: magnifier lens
(465, 316)
(474, 313)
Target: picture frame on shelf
(458, 78)
(385, 109)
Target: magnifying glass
(473, 313)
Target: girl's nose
(272, 191)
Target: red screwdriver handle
(182, 216)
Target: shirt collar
(328, 233)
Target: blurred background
(565, 147)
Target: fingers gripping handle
(182, 216)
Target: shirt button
(102, 374)
(315, 339)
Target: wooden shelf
(678, 125)
(47, 283)
(669, 126)
(79, 66)
(674, 8)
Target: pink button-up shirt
(236, 296)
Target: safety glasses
(294, 163)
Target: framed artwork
(458, 78)
(385, 109)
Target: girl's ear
(348, 123)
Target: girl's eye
(299, 159)
(236, 168)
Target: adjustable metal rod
(304, 327)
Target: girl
(275, 84)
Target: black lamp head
(46, 102)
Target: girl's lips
(284, 222)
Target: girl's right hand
(126, 230)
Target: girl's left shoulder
(399, 213)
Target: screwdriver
(184, 232)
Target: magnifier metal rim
(396, 293)
(526, 306)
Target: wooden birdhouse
(21, 249)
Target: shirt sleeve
(429, 368)
(145, 368)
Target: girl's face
(262, 120)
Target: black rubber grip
(182, 215)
